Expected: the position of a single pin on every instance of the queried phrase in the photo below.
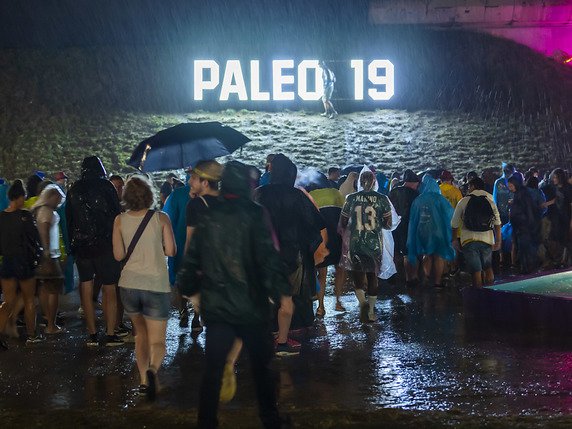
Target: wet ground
(421, 364)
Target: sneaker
(228, 386)
(122, 331)
(363, 313)
(196, 325)
(142, 390)
(325, 114)
(3, 345)
(293, 343)
(286, 350)
(93, 340)
(371, 318)
(80, 311)
(184, 318)
(113, 341)
(34, 340)
(151, 384)
(129, 338)
(333, 115)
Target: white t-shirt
(466, 235)
(45, 214)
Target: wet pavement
(420, 357)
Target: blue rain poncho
(430, 223)
(175, 207)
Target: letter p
(200, 84)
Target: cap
(410, 176)
(446, 176)
(208, 170)
(60, 175)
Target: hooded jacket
(91, 207)
(232, 261)
(430, 223)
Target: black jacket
(231, 259)
(91, 207)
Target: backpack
(479, 215)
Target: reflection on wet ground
(421, 355)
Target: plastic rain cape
(430, 223)
(386, 266)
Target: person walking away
(297, 223)
(477, 232)
(328, 79)
(92, 205)
(525, 220)
(334, 176)
(364, 215)
(175, 207)
(448, 190)
(50, 274)
(19, 247)
(349, 185)
(502, 196)
(429, 234)
(330, 203)
(235, 302)
(561, 222)
(121, 330)
(144, 281)
(204, 183)
(166, 188)
(402, 198)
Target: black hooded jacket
(91, 207)
(296, 220)
(231, 260)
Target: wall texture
(545, 26)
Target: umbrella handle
(144, 157)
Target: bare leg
(142, 357)
(51, 310)
(120, 309)
(110, 307)
(234, 352)
(285, 318)
(477, 279)
(438, 267)
(489, 276)
(86, 294)
(28, 288)
(322, 274)
(339, 280)
(10, 294)
(156, 333)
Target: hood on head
(283, 171)
(92, 168)
(235, 179)
(517, 180)
(429, 184)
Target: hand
(456, 244)
(497, 246)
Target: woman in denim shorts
(144, 281)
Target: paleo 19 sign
(288, 80)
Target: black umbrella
(185, 145)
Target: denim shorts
(478, 256)
(151, 305)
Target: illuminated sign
(288, 80)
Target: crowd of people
(247, 253)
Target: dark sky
(59, 23)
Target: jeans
(258, 342)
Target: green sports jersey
(368, 212)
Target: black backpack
(479, 215)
